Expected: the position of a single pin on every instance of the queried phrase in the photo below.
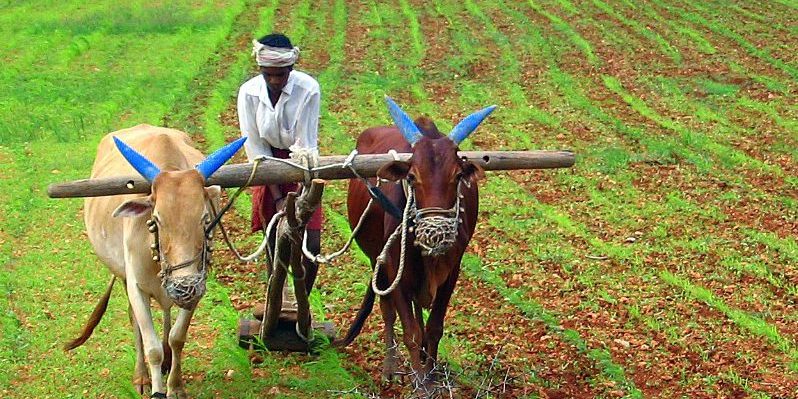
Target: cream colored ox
(157, 243)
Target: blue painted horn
(403, 122)
(219, 157)
(469, 124)
(146, 169)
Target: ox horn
(403, 122)
(219, 157)
(144, 166)
(469, 124)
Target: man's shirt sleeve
(247, 106)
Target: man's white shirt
(293, 122)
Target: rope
(436, 228)
(381, 259)
(218, 220)
(266, 234)
(302, 336)
(307, 169)
(264, 245)
(321, 259)
(439, 231)
(270, 269)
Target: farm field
(664, 264)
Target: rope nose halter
(437, 233)
(186, 290)
(436, 228)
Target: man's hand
(278, 198)
(279, 204)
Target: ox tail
(94, 319)
(360, 319)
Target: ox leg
(177, 339)
(141, 378)
(153, 350)
(390, 366)
(412, 336)
(420, 319)
(434, 331)
(167, 352)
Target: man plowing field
(415, 232)
(278, 112)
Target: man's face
(276, 77)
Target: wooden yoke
(290, 231)
(276, 172)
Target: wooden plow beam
(276, 172)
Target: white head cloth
(267, 56)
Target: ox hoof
(142, 385)
(432, 389)
(177, 395)
(177, 391)
(390, 370)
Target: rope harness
(310, 172)
(436, 228)
(435, 234)
(185, 291)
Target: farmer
(278, 112)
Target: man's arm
(255, 146)
(307, 125)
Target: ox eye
(411, 177)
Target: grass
(561, 25)
(645, 31)
(73, 78)
(725, 31)
(690, 138)
(71, 268)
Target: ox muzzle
(184, 290)
(187, 290)
(436, 228)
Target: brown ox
(160, 248)
(441, 228)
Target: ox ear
(133, 208)
(396, 170)
(471, 169)
(219, 157)
(402, 121)
(214, 192)
(469, 124)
